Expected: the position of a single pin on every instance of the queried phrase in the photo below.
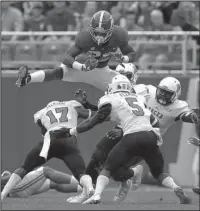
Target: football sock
(168, 182)
(12, 182)
(102, 182)
(86, 181)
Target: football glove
(193, 140)
(195, 116)
(61, 133)
(80, 96)
(24, 76)
(90, 64)
(115, 133)
(118, 57)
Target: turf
(146, 198)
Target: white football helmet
(120, 83)
(129, 70)
(168, 91)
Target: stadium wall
(20, 134)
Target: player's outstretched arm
(99, 117)
(190, 116)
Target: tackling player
(100, 41)
(165, 106)
(128, 110)
(41, 180)
(54, 116)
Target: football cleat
(95, 199)
(196, 190)
(183, 198)
(79, 199)
(122, 191)
(23, 76)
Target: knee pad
(21, 172)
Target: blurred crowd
(73, 16)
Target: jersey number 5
(137, 110)
(63, 117)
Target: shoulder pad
(38, 114)
(73, 103)
(103, 101)
(179, 107)
(120, 34)
(83, 39)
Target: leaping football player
(100, 42)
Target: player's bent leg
(59, 177)
(32, 161)
(65, 188)
(154, 158)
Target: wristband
(78, 66)
(73, 131)
(125, 59)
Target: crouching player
(128, 110)
(54, 116)
(42, 180)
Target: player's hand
(81, 96)
(60, 133)
(193, 140)
(196, 116)
(115, 133)
(90, 64)
(118, 57)
(23, 76)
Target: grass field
(146, 198)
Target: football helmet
(168, 91)
(120, 83)
(129, 70)
(101, 26)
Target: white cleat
(95, 199)
(137, 178)
(122, 191)
(79, 199)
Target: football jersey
(128, 111)
(57, 113)
(165, 114)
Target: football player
(129, 111)
(100, 41)
(54, 116)
(41, 180)
(174, 110)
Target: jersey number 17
(63, 117)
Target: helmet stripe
(101, 19)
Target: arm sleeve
(90, 106)
(83, 113)
(125, 48)
(98, 118)
(187, 116)
(38, 115)
(43, 129)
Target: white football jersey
(57, 113)
(165, 114)
(128, 111)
